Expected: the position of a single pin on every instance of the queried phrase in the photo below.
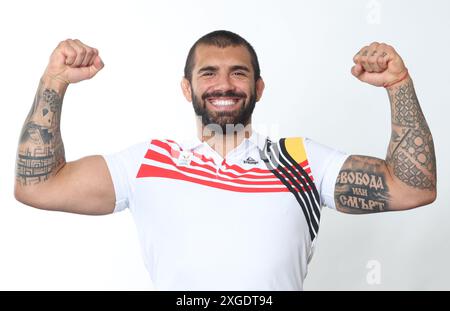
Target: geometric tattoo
(411, 150)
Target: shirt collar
(255, 139)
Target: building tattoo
(41, 151)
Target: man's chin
(224, 120)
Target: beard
(227, 121)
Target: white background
(305, 50)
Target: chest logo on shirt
(185, 158)
(250, 160)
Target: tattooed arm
(407, 178)
(43, 178)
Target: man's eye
(207, 74)
(239, 73)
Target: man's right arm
(43, 178)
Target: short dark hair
(221, 39)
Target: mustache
(229, 93)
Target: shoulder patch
(296, 148)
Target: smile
(223, 102)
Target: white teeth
(223, 102)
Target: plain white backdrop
(305, 50)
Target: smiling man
(229, 209)
(222, 80)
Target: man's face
(223, 89)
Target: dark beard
(233, 119)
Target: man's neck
(223, 143)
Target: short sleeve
(123, 167)
(325, 164)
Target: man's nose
(223, 83)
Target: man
(230, 209)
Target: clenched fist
(379, 64)
(73, 61)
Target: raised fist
(379, 64)
(73, 61)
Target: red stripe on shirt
(153, 171)
(155, 156)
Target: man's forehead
(214, 55)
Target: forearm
(410, 157)
(41, 151)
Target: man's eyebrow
(207, 68)
(240, 67)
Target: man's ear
(259, 88)
(186, 88)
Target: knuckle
(63, 44)
(71, 54)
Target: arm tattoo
(361, 186)
(41, 151)
(410, 153)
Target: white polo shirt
(245, 222)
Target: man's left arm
(407, 177)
